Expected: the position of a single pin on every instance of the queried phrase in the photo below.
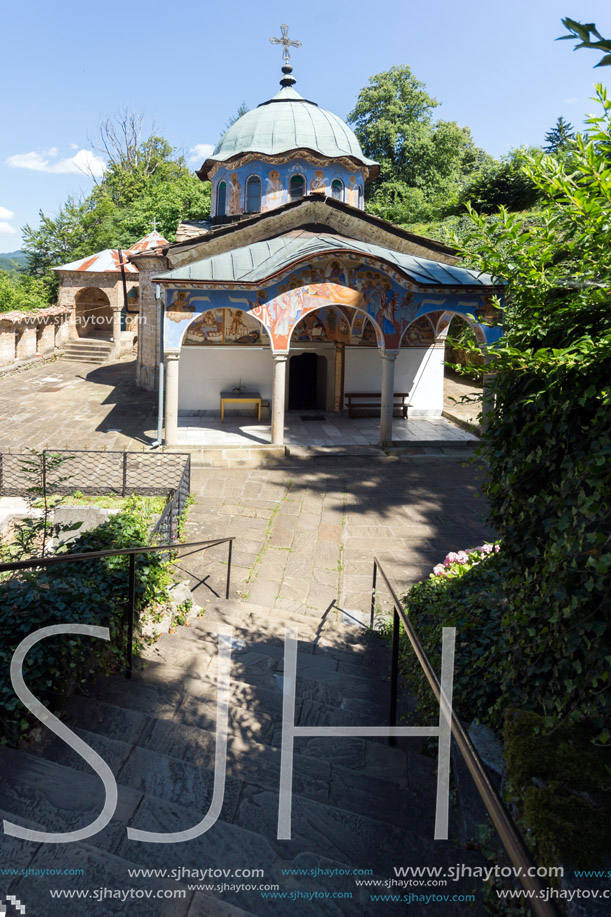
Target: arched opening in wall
(337, 189)
(463, 368)
(307, 382)
(93, 314)
(338, 335)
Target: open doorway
(307, 382)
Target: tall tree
(559, 137)
(391, 116)
(423, 163)
(145, 179)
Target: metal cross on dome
(286, 42)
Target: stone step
(246, 757)
(256, 684)
(58, 798)
(268, 637)
(251, 614)
(198, 655)
(177, 764)
(255, 708)
(100, 870)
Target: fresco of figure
(180, 308)
(234, 195)
(353, 192)
(273, 189)
(318, 181)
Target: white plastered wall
(418, 370)
(207, 371)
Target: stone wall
(26, 335)
(149, 266)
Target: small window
(221, 199)
(337, 189)
(361, 196)
(253, 194)
(296, 187)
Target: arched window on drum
(337, 189)
(253, 194)
(221, 199)
(296, 187)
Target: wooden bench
(374, 400)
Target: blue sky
(493, 64)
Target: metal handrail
(511, 839)
(49, 561)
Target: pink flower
(462, 557)
(497, 548)
(439, 570)
(487, 548)
(451, 558)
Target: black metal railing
(130, 609)
(99, 473)
(509, 835)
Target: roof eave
(372, 167)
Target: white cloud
(6, 214)
(6, 227)
(200, 152)
(84, 162)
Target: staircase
(357, 803)
(88, 350)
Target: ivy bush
(88, 592)
(548, 442)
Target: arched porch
(333, 318)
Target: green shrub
(559, 783)
(88, 592)
(469, 597)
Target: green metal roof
(289, 122)
(255, 263)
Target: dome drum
(254, 185)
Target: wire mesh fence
(60, 472)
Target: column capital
(172, 355)
(280, 357)
(390, 354)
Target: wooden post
(340, 365)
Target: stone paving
(306, 534)
(329, 430)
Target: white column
(388, 391)
(278, 397)
(171, 398)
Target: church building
(291, 291)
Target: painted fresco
(419, 334)
(275, 179)
(363, 331)
(386, 297)
(226, 326)
(322, 326)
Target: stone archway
(93, 314)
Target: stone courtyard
(306, 535)
(306, 526)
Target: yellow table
(239, 398)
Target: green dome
(289, 122)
